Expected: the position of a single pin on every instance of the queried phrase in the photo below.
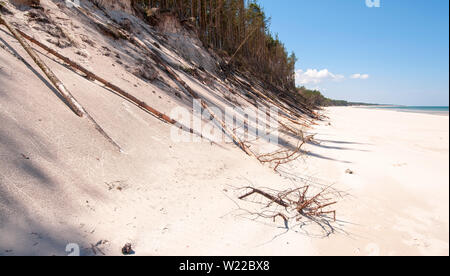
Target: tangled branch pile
(294, 204)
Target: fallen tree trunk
(76, 107)
(91, 75)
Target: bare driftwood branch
(71, 101)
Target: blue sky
(395, 54)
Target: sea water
(439, 110)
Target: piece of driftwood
(71, 101)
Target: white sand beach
(175, 199)
(62, 183)
(399, 189)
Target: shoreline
(400, 109)
(399, 190)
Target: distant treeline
(239, 29)
(316, 99)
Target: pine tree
(240, 29)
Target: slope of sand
(61, 182)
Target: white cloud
(315, 76)
(360, 76)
